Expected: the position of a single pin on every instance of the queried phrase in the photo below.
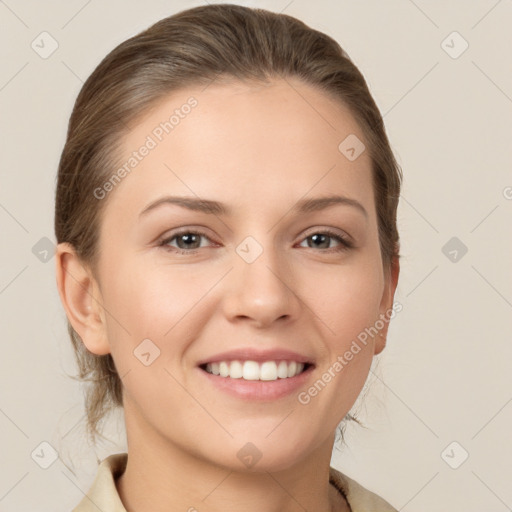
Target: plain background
(445, 375)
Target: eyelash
(345, 244)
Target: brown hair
(194, 47)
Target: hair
(193, 47)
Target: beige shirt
(103, 494)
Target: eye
(321, 239)
(188, 242)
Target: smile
(252, 370)
(250, 380)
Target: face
(267, 267)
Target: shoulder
(102, 494)
(359, 498)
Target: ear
(386, 305)
(81, 297)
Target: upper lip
(251, 354)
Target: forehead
(237, 141)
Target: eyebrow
(216, 208)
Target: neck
(164, 476)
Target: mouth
(264, 381)
(249, 370)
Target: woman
(227, 260)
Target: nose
(262, 291)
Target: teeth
(251, 370)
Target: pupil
(316, 238)
(188, 237)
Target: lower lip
(261, 390)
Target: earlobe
(81, 298)
(386, 306)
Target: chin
(260, 454)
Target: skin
(258, 149)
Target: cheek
(348, 307)
(146, 301)
(349, 301)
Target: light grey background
(445, 375)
